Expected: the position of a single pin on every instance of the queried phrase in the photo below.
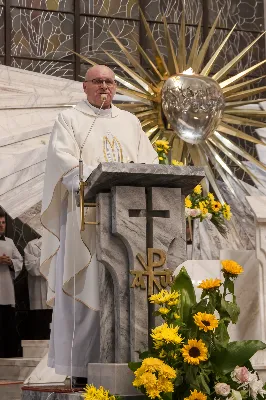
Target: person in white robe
(37, 285)
(68, 260)
(11, 263)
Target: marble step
(10, 390)
(17, 369)
(34, 348)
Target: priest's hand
(5, 260)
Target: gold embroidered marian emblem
(112, 149)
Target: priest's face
(2, 225)
(100, 83)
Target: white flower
(195, 212)
(187, 212)
(256, 386)
(241, 375)
(222, 389)
(208, 216)
(236, 395)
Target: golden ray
(220, 165)
(162, 67)
(205, 46)
(182, 54)
(230, 155)
(194, 50)
(156, 137)
(133, 107)
(152, 130)
(172, 60)
(206, 70)
(251, 113)
(146, 113)
(230, 130)
(238, 150)
(241, 75)
(231, 89)
(236, 120)
(148, 60)
(232, 104)
(246, 93)
(135, 95)
(147, 122)
(142, 82)
(210, 176)
(225, 70)
(133, 61)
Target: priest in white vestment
(36, 283)
(68, 260)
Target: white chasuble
(115, 137)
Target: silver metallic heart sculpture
(193, 105)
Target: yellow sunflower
(188, 202)
(206, 322)
(163, 310)
(197, 189)
(91, 393)
(194, 352)
(165, 297)
(227, 212)
(211, 196)
(195, 395)
(231, 267)
(165, 334)
(209, 284)
(178, 163)
(155, 376)
(216, 206)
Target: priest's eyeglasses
(100, 82)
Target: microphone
(81, 177)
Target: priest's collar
(103, 112)
(86, 108)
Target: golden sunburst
(145, 86)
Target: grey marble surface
(117, 378)
(114, 287)
(132, 219)
(108, 175)
(36, 395)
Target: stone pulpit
(141, 239)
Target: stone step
(10, 390)
(34, 348)
(17, 369)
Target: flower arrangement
(207, 207)
(162, 147)
(92, 393)
(191, 357)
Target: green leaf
(134, 365)
(203, 384)
(221, 334)
(167, 396)
(183, 285)
(144, 355)
(232, 309)
(236, 353)
(200, 306)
